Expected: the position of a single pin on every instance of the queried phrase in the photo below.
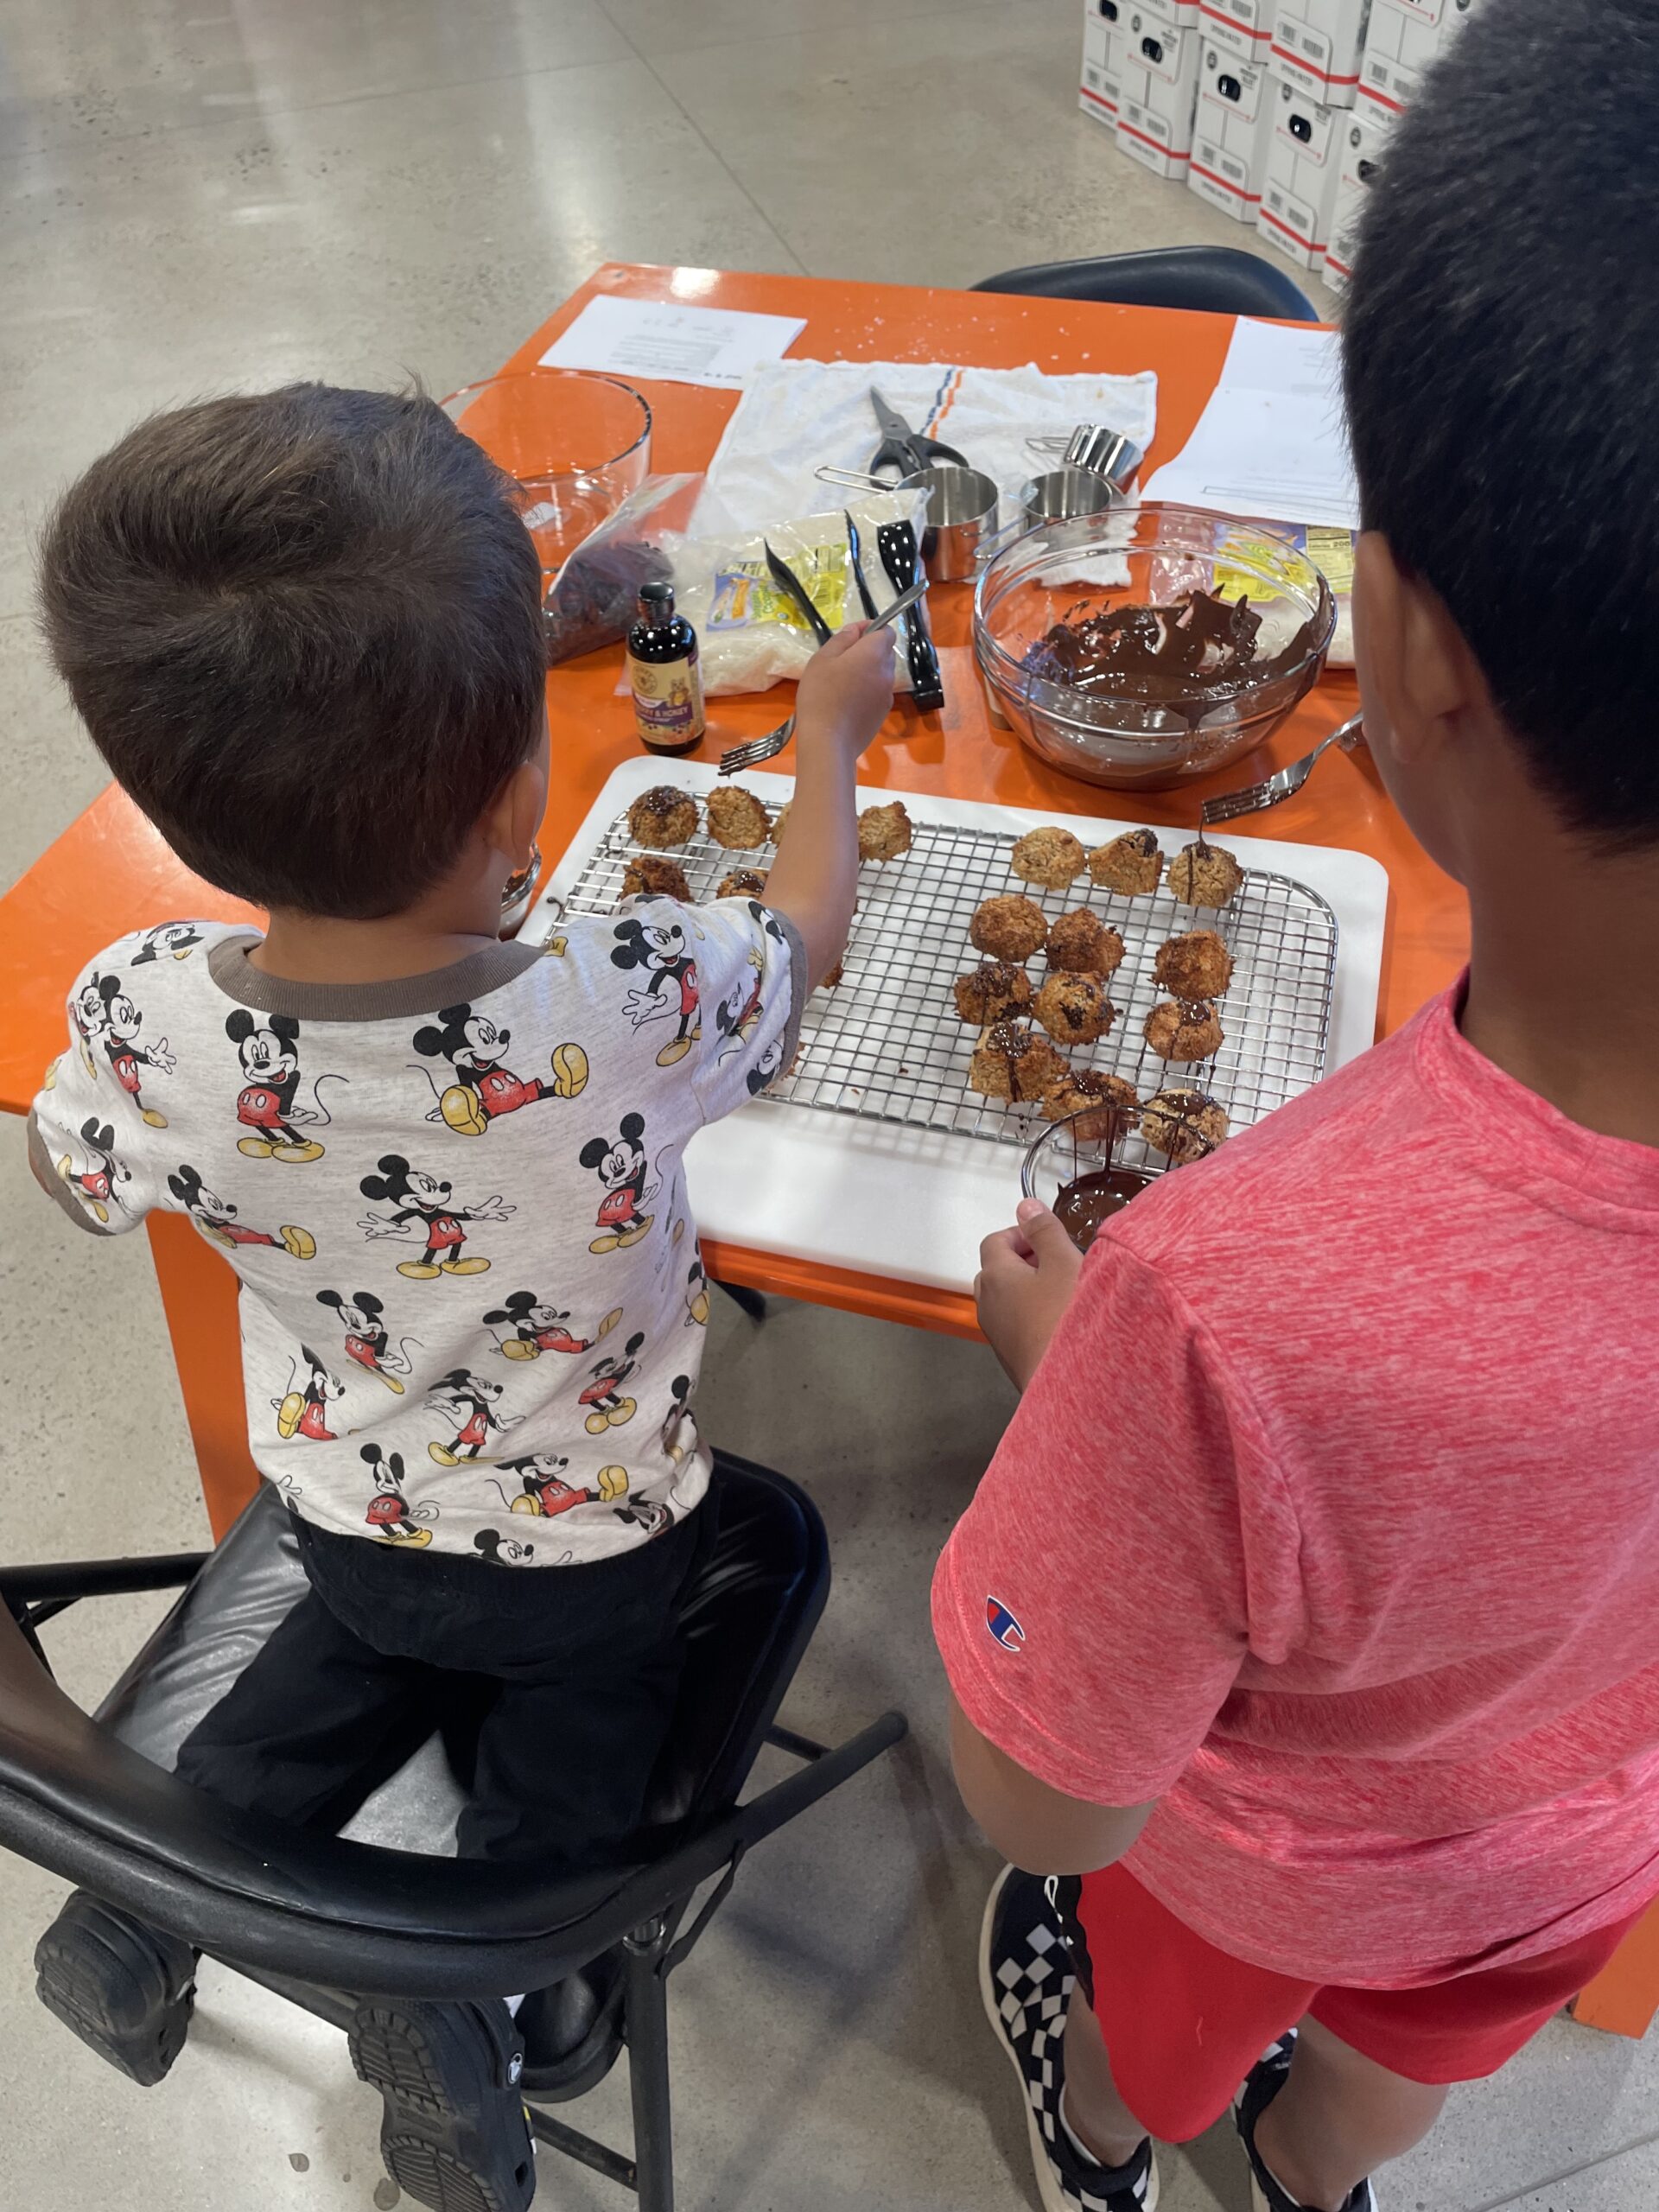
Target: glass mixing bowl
(577, 444)
(1150, 555)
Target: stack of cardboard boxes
(1274, 110)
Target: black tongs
(896, 543)
(791, 585)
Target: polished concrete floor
(195, 193)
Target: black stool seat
(1211, 279)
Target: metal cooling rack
(887, 1043)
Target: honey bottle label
(667, 701)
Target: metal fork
(1284, 782)
(758, 749)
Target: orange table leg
(1625, 1995)
(199, 1295)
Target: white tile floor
(199, 192)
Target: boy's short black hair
(304, 630)
(1501, 332)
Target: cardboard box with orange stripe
(1316, 45)
(1228, 129)
(1403, 38)
(1159, 89)
(1301, 157)
(1105, 38)
(1243, 27)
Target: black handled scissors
(903, 449)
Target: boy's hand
(1027, 1276)
(846, 688)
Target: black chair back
(1211, 279)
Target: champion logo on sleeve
(1002, 1625)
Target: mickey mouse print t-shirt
(472, 1300)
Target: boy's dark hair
(1501, 335)
(304, 630)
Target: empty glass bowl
(577, 445)
(1150, 555)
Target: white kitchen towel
(795, 416)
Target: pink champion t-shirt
(1330, 1520)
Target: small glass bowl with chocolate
(1089, 1166)
(1142, 648)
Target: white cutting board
(910, 1203)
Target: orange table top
(109, 872)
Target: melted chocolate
(1199, 649)
(1081, 1206)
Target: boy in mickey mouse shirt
(304, 629)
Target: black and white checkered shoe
(1026, 1981)
(1262, 2085)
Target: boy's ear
(1420, 678)
(515, 814)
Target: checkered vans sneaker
(1262, 2085)
(1026, 1981)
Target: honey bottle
(663, 675)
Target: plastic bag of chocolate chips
(593, 599)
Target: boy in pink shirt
(1305, 1629)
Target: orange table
(109, 872)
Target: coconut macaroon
(1051, 857)
(884, 832)
(663, 817)
(1205, 875)
(737, 819)
(1008, 927)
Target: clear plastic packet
(1330, 550)
(593, 599)
(750, 633)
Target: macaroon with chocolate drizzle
(1184, 1029)
(1203, 875)
(1131, 865)
(1184, 1125)
(1011, 1061)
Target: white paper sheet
(662, 339)
(1271, 444)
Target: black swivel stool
(335, 1924)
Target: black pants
(555, 1686)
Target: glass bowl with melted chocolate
(1088, 1168)
(1145, 646)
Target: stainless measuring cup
(1097, 447)
(1064, 495)
(959, 520)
